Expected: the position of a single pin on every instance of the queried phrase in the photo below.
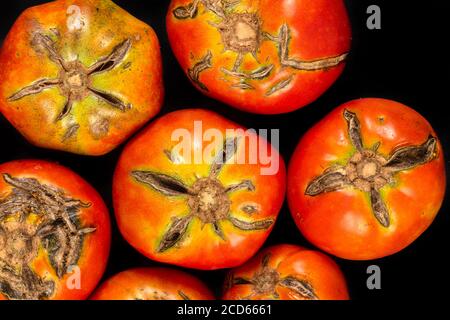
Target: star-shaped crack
(369, 171)
(74, 79)
(208, 199)
(266, 280)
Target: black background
(407, 61)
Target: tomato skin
(95, 250)
(144, 215)
(342, 222)
(152, 284)
(93, 126)
(322, 273)
(319, 29)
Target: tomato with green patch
(79, 75)
(367, 180)
(286, 272)
(260, 56)
(187, 192)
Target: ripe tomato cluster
(194, 189)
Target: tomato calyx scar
(369, 171)
(208, 199)
(266, 280)
(34, 215)
(74, 79)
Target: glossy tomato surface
(260, 56)
(189, 191)
(152, 284)
(367, 180)
(79, 75)
(54, 232)
(287, 272)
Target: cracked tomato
(287, 272)
(188, 190)
(367, 180)
(54, 233)
(260, 56)
(152, 284)
(79, 75)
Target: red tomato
(367, 180)
(54, 233)
(152, 284)
(208, 213)
(261, 56)
(287, 272)
(79, 75)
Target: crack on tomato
(283, 40)
(218, 7)
(160, 295)
(280, 85)
(227, 151)
(175, 233)
(162, 183)
(186, 12)
(34, 215)
(173, 156)
(207, 199)
(258, 74)
(111, 99)
(243, 85)
(300, 287)
(266, 280)
(183, 295)
(71, 132)
(369, 171)
(249, 209)
(26, 286)
(35, 88)
(203, 64)
(74, 79)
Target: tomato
(286, 272)
(366, 180)
(207, 205)
(79, 75)
(54, 232)
(260, 56)
(152, 284)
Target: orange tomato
(79, 75)
(207, 205)
(263, 56)
(287, 272)
(54, 233)
(152, 284)
(367, 180)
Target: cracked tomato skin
(317, 37)
(323, 275)
(152, 284)
(84, 31)
(95, 249)
(342, 222)
(148, 218)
